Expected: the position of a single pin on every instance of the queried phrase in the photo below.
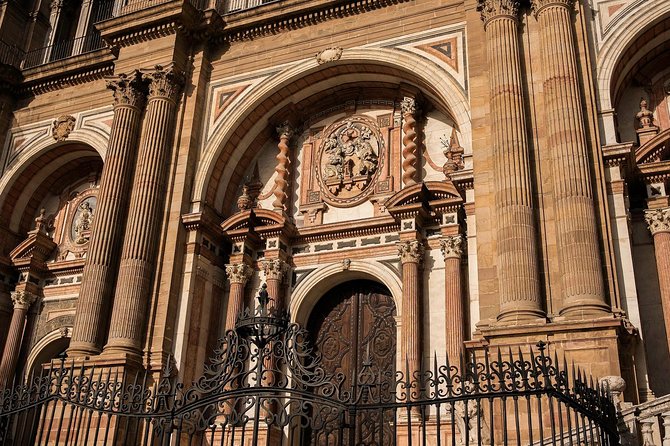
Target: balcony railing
(63, 50)
(11, 55)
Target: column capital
(411, 251)
(452, 246)
(538, 6)
(129, 89)
(240, 273)
(491, 9)
(409, 106)
(285, 130)
(22, 299)
(165, 82)
(658, 220)
(274, 269)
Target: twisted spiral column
(283, 162)
(22, 301)
(517, 269)
(140, 247)
(454, 315)
(411, 257)
(576, 225)
(409, 146)
(97, 288)
(238, 275)
(658, 221)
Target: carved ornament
(285, 130)
(274, 269)
(452, 246)
(22, 299)
(658, 220)
(62, 127)
(537, 6)
(329, 55)
(240, 273)
(490, 9)
(83, 220)
(129, 89)
(453, 152)
(411, 251)
(349, 160)
(408, 106)
(645, 117)
(165, 82)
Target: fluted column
(140, 246)
(576, 225)
(238, 275)
(285, 132)
(275, 271)
(517, 269)
(411, 257)
(658, 221)
(409, 111)
(22, 301)
(454, 314)
(104, 247)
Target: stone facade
(500, 167)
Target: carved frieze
(62, 127)
(349, 160)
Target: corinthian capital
(274, 269)
(658, 220)
(452, 246)
(285, 130)
(408, 106)
(129, 89)
(240, 273)
(165, 82)
(490, 9)
(538, 6)
(23, 299)
(411, 251)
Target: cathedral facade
(407, 178)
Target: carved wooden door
(355, 332)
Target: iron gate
(264, 385)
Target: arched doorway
(354, 330)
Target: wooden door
(355, 332)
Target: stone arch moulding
(40, 345)
(446, 91)
(307, 293)
(628, 28)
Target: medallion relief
(349, 160)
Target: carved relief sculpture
(62, 127)
(349, 160)
(82, 223)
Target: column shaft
(411, 255)
(274, 277)
(140, 247)
(659, 225)
(22, 301)
(100, 270)
(517, 269)
(454, 314)
(576, 225)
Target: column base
(83, 350)
(585, 309)
(521, 317)
(127, 353)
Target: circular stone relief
(349, 160)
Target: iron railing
(265, 384)
(10, 54)
(63, 50)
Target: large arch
(412, 69)
(308, 291)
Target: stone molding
(165, 82)
(538, 6)
(22, 299)
(452, 246)
(491, 9)
(275, 269)
(411, 251)
(240, 273)
(129, 89)
(658, 220)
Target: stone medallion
(349, 160)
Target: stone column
(517, 269)
(101, 266)
(658, 221)
(454, 314)
(238, 275)
(285, 132)
(409, 147)
(411, 257)
(147, 202)
(275, 270)
(22, 301)
(576, 225)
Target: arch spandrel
(441, 89)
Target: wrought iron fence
(265, 384)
